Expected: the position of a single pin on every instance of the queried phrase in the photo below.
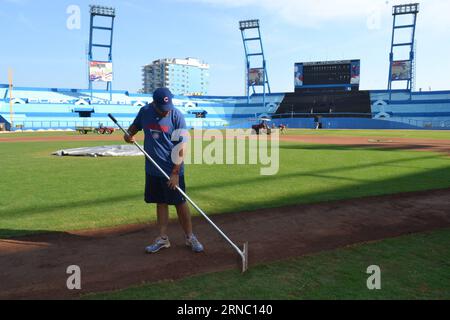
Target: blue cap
(162, 98)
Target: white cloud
(309, 13)
(313, 13)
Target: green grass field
(41, 193)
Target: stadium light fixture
(406, 9)
(248, 24)
(102, 11)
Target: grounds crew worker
(159, 120)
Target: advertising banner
(100, 71)
(298, 73)
(401, 70)
(256, 77)
(355, 72)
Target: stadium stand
(44, 108)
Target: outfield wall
(343, 123)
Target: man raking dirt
(164, 129)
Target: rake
(243, 253)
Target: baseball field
(341, 201)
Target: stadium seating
(41, 108)
(32, 96)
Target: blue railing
(57, 124)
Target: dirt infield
(362, 142)
(110, 259)
(376, 142)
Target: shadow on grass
(406, 183)
(317, 173)
(70, 204)
(249, 181)
(394, 186)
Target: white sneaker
(159, 244)
(194, 244)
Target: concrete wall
(347, 123)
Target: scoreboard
(327, 74)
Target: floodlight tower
(108, 13)
(403, 69)
(256, 73)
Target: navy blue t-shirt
(162, 134)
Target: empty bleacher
(34, 96)
(71, 96)
(334, 104)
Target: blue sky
(42, 51)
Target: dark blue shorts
(157, 191)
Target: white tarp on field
(103, 151)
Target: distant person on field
(163, 124)
(263, 124)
